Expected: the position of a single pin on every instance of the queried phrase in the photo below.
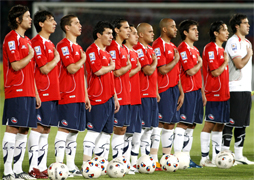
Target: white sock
(167, 137)
(155, 143)
(127, 146)
(135, 148)
(102, 145)
(179, 139)
(238, 152)
(71, 146)
(60, 145)
(205, 144)
(216, 142)
(33, 148)
(117, 144)
(146, 142)
(19, 152)
(89, 144)
(43, 152)
(8, 151)
(188, 139)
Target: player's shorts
(20, 112)
(192, 109)
(136, 122)
(47, 114)
(149, 112)
(168, 105)
(72, 116)
(217, 111)
(122, 117)
(240, 106)
(101, 117)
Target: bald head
(145, 32)
(142, 27)
(165, 22)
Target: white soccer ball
(184, 160)
(169, 163)
(91, 169)
(164, 158)
(58, 171)
(125, 162)
(225, 160)
(115, 169)
(146, 164)
(103, 164)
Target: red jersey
(148, 84)
(47, 85)
(135, 82)
(216, 88)
(72, 87)
(188, 59)
(165, 54)
(100, 88)
(17, 83)
(122, 83)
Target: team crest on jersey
(89, 125)
(143, 123)
(14, 120)
(140, 53)
(64, 122)
(183, 117)
(92, 56)
(234, 46)
(115, 121)
(210, 116)
(160, 116)
(112, 54)
(183, 55)
(11, 45)
(157, 52)
(65, 50)
(231, 121)
(211, 54)
(37, 50)
(38, 117)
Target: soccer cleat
(244, 160)
(10, 177)
(75, 172)
(37, 174)
(207, 163)
(193, 165)
(158, 167)
(45, 172)
(24, 175)
(133, 170)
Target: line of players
(134, 90)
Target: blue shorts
(47, 114)
(20, 112)
(168, 105)
(101, 117)
(122, 117)
(136, 122)
(217, 111)
(72, 116)
(192, 109)
(149, 112)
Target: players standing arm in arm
(123, 70)
(149, 69)
(241, 62)
(74, 67)
(50, 65)
(168, 67)
(220, 70)
(106, 69)
(196, 68)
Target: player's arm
(168, 67)
(74, 67)
(196, 68)
(18, 65)
(135, 70)
(87, 101)
(181, 96)
(50, 65)
(220, 70)
(149, 69)
(203, 96)
(37, 97)
(117, 105)
(106, 69)
(241, 62)
(123, 70)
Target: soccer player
(74, 99)
(215, 73)
(169, 86)
(148, 85)
(21, 96)
(191, 112)
(133, 132)
(240, 54)
(101, 91)
(122, 84)
(46, 78)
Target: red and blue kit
(188, 59)
(100, 88)
(216, 88)
(72, 87)
(148, 84)
(17, 83)
(122, 83)
(47, 84)
(165, 54)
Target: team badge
(231, 121)
(140, 53)
(234, 46)
(211, 54)
(92, 56)
(210, 116)
(143, 123)
(14, 120)
(183, 55)
(160, 116)
(39, 117)
(11, 45)
(65, 50)
(115, 121)
(37, 49)
(64, 122)
(183, 117)
(157, 52)
(112, 54)
(89, 125)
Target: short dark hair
(131, 25)
(66, 20)
(100, 28)
(185, 26)
(236, 19)
(41, 16)
(215, 26)
(117, 23)
(16, 12)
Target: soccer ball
(170, 163)
(125, 162)
(184, 160)
(164, 158)
(58, 171)
(225, 160)
(91, 169)
(115, 169)
(103, 164)
(146, 164)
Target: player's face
(193, 33)
(244, 27)
(107, 37)
(27, 21)
(223, 33)
(148, 34)
(49, 25)
(75, 27)
(171, 30)
(133, 39)
(124, 31)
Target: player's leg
(167, 137)
(155, 144)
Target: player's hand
(154, 57)
(88, 105)
(38, 101)
(128, 63)
(117, 105)
(112, 63)
(180, 101)
(57, 56)
(138, 64)
(31, 50)
(158, 97)
(83, 55)
(177, 56)
(249, 50)
(204, 99)
(226, 57)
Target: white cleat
(207, 163)
(75, 172)
(244, 160)
(23, 175)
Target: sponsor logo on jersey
(170, 52)
(89, 125)
(210, 116)
(140, 53)
(221, 57)
(92, 56)
(14, 120)
(115, 121)
(183, 55)
(11, 45)
(183, 117)
(19, 90)
(38, 117)
(157, 52)
(234, 46)
(64, 122)
(65, 50)
(104, 57)
(231, 121)
(123, 57)
(50, 51)
(160, 116)
(211, 54)
(132, 59)
(23, 47)
(77, 53)
(37, 50)
(112, 54)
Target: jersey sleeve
(142, 57)
(186, 59)
(233, 49)
(12, 49)
(159, 52)
(114, 53)
(64, 51)
(39, 53)
(94, 60)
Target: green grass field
(236, 172)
